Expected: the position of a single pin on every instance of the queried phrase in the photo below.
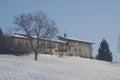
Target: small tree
(38, 25)
(104, 52)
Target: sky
(90, 20)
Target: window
(69, 47)
(79, 50)
(75, 50)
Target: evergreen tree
(1, 37)
(104, 52)
(1, 33)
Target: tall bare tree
(38, 25)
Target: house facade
(77, 47)
(62, 46)
(46, 45)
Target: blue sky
(90, 20)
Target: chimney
(65, 35)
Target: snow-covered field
(54, 68)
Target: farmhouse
(46, 45)
(77, 47)
(61, 46)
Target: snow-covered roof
(54, 40)
(46, 39)
(19, 36)
(72, 39)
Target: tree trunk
(36, 56)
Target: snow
(73, 39)
(54, 40)
(47, 39)
(55, 68)
(19, 36)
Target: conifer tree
(104, 52)
(1, 33)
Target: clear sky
(90, 20)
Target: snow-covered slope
(55, 68)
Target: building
(77, 47)
(63, 46)
(46, 45)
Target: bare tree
(38, 25)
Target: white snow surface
(49, 67)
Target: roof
(54, 40)
(19, 35)
(46, 39)
(72, 39)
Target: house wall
(74, 48)
(80, 49)
(60, 49)
(48, 47)
(21, 44)
(86, 50)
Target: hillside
(54, 68)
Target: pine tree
(104, 52)
(1, 33)
(1, 37)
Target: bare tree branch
(36, 25)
